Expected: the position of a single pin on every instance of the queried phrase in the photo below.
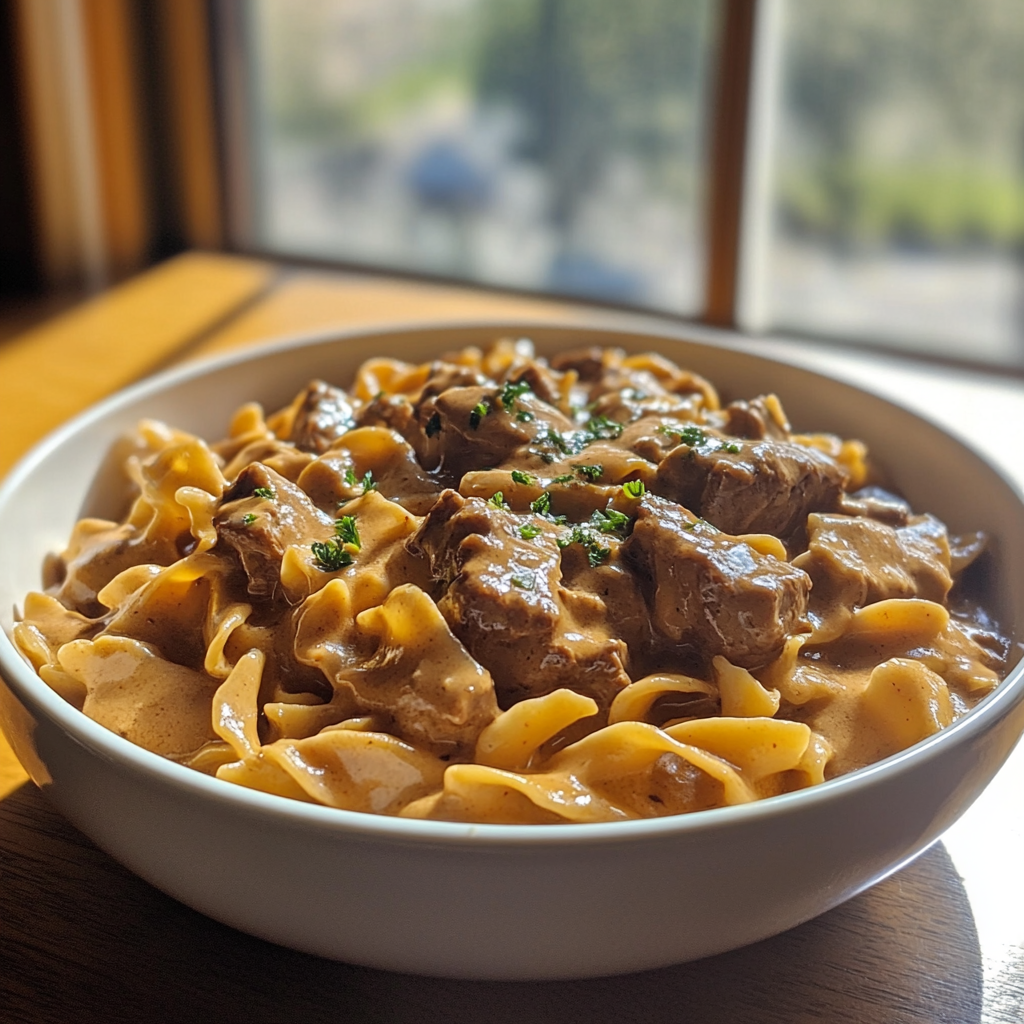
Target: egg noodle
(497, 588)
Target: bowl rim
(127, 756)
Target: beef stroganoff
(499, 588)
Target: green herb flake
(565, 478)
(497, 500)
(249, 518)
(480, 410)
(512, 391)
(330, 555)
(577, 535)
(732, 448)
(542, 504)
(369, 484)
(692, 436)
(350, 477)
(529, 530)
(596, 552)
(523, 580)
(591, 473)
(604, 429)
(519, 477)
(264, 492)
(524, 416)
(634, 489)
(347, 532)
(610, 521)
(433, 427)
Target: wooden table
(82, 939)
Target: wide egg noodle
(141, 696)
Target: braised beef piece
(875, 503)
(587, 362)
(542, 380)
(743, 486)
(755, 420)
(505, 602)
(475, 431)
(870, 561)
(259, 528)
(443, 376)
(394, 411)
(324, 414)
(712, 591)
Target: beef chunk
(475, 431)
(544, 383)
(394, 411)
(713, 591)
(871, 561)
(759, 418)
(324, 413)
(876, 503)
(259, 528)
(505, 602)
(589, 363)
(443, 376)
(761, 486)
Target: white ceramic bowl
(491, 901)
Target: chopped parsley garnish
(542, 506)
(523, 580)
(694, 437)
(597, 428)
(264, 492)
(347, 531)
(510, 392)
(524, 416)
(565, 478)
(558, 441)
(592, 473)
(497, 500)
(249, 518)
(529, 530)
(368, 482)
(331, 555)
(480, 410)
(610, 521)
(602, 428)
(596, 552)
(433, 426)
(519, 477)
(350, 477)
(634, 489)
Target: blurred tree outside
(905, 122)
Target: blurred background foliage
(905, 122)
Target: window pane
(898, 175)
(542, 144)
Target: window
(892, 175)
(565, 146)
(539, 144)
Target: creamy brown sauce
(499, 588)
